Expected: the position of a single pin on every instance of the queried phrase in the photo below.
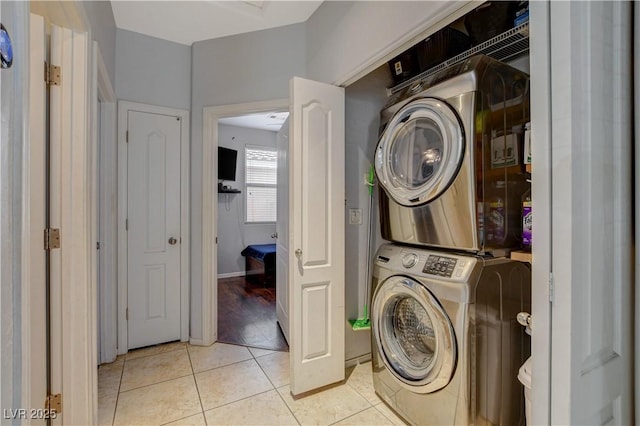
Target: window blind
(261, 166)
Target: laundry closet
(485, 221)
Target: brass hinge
(53, 403)
(52, 74)
(51, 238)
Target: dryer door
(420, 152)
(414, 335)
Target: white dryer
(446, 346)
(448, 158)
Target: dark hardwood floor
(247, 315)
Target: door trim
(209, 295)
(541, 190)
(123, 110)
(105, 141)
(34, 181)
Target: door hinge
(126, 224)
(51, 238)
(126, 137)
(52, 74)
(551, 287)
(53, 403)
(98, 245)
(126, 314)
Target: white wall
(152, 71)
(233, 233)
(231, 70)
(364, 100)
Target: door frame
(211, 115)
(541, 190)
(106, 232)
(33, 262)
(123, 110)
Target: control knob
(409, 260)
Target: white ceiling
(186, 22)
(268, 121)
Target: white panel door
(591, 144)
(153, 228)
(282, 231)
(316, 226)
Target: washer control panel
(422, 262)
(440, 265)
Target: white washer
(446, 345)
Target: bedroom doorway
(247, 230)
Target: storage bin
(443, 45)
(404, 66)
(490, 20)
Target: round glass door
(420, 152)
(414, 335)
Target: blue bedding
(263, 252)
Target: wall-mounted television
(227, 159)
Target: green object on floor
(361, 323)
(364, 323)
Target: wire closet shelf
(503, 47)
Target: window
(261, 165)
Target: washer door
(414, 335)
(420, 152)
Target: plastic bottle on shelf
(527, 220)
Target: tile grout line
(287, 405)
(157, 383)
(193, 374)
(276, 390)
(372, 404)
(115, 408)
(385, 416)
(346, 382)
(220, 366)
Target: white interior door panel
(153, 228)
(316, 226)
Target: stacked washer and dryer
(446, 345)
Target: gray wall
(233, 233)
(345, 37)
(364, 99)
(103, 30)
(152, 71)
(242, 68)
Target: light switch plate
(355, 216)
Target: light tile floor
(180, 384)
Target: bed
(260, 263)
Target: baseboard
(231, 275)
(357, 360)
